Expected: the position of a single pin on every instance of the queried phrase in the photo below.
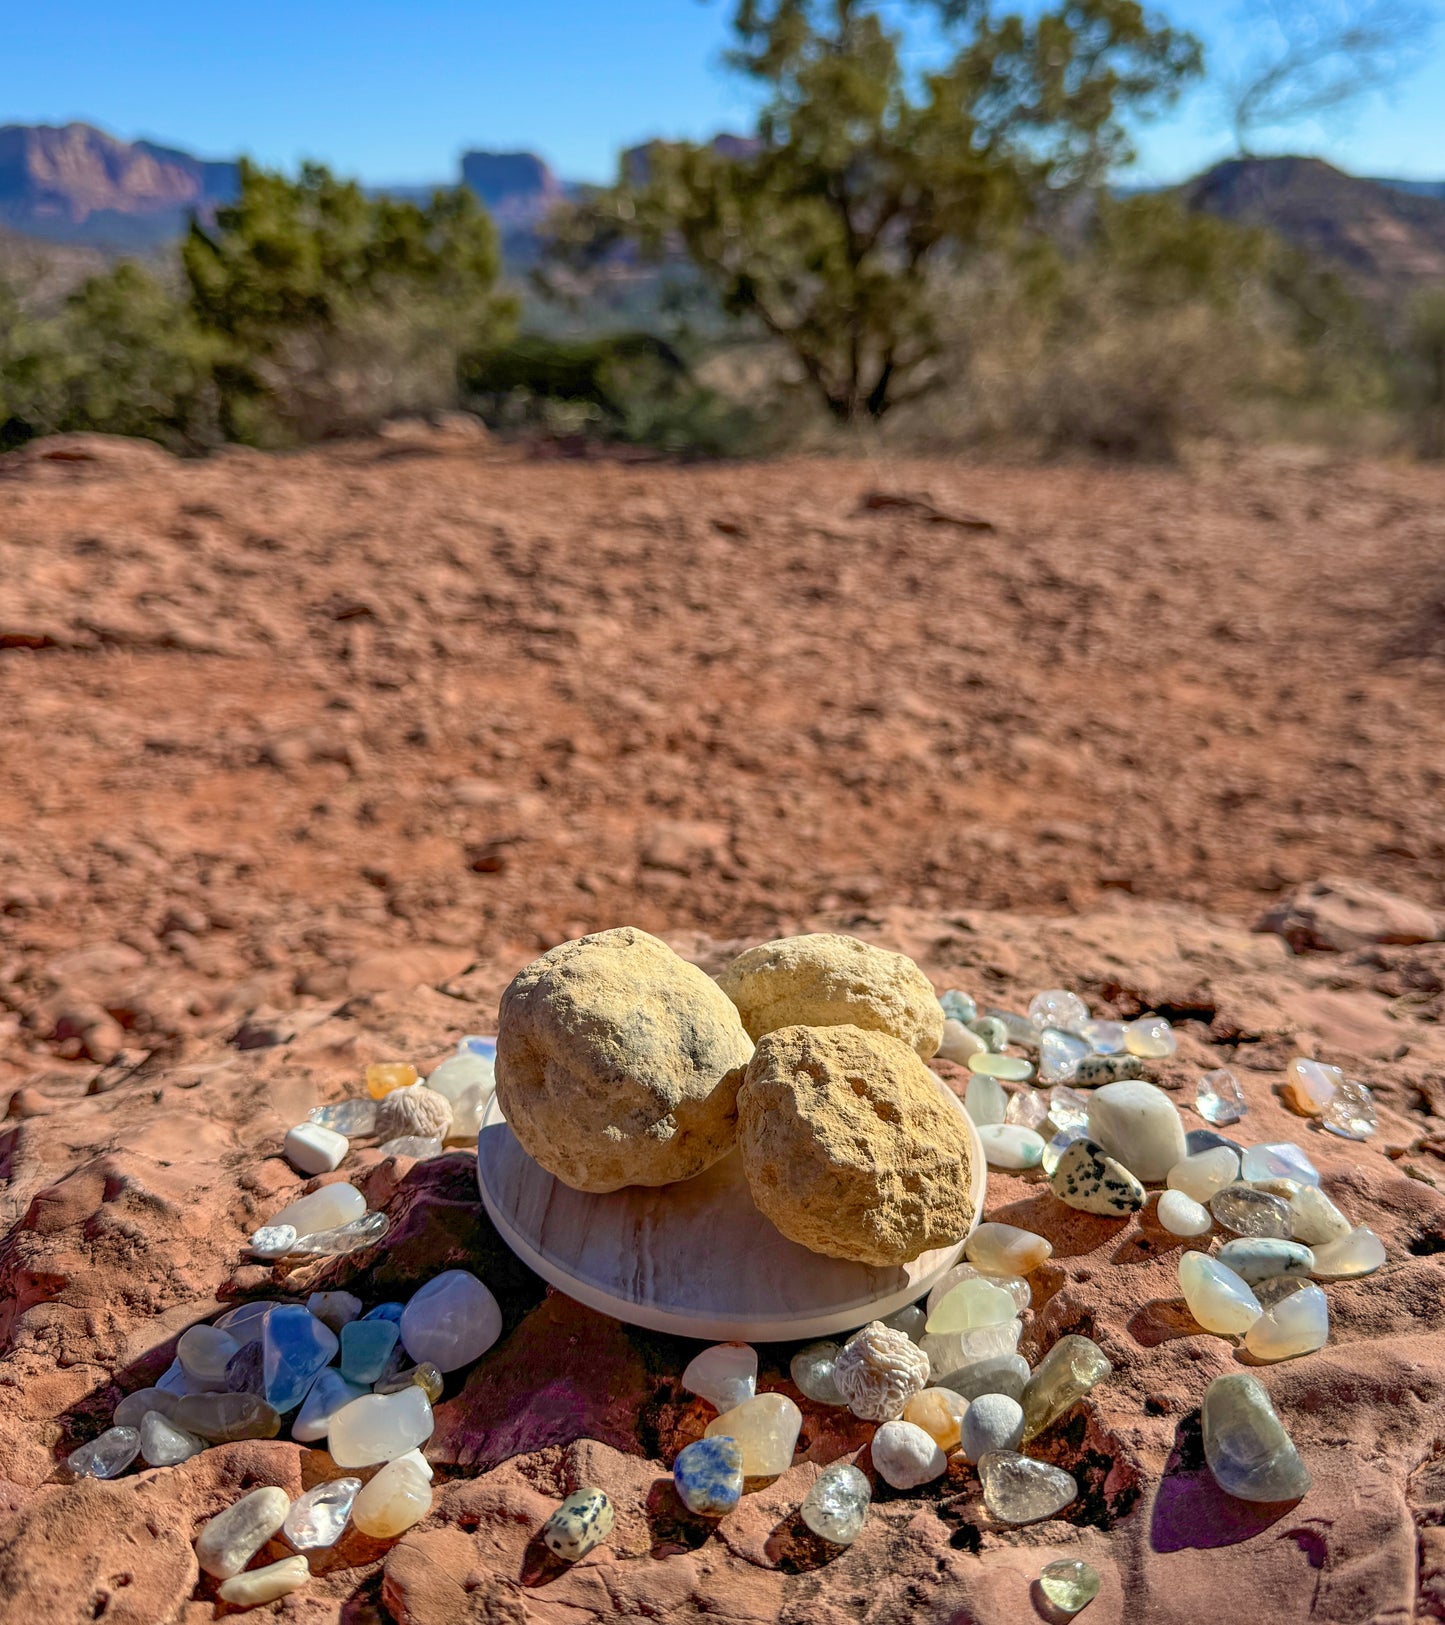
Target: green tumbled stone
(1070, 1584)
(1065, 1374)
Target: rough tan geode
(826, 980)
(850, 1148)
(618, 1063)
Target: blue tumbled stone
(365, 1347)
(473, 1045)
(709, 1475)
(294, 1347)
(386, 1311)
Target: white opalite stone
(205, 1352)
(767, 1429)
(451, 1321)
(1314, 1218)
(1204, 1173)
(1181, 1215)
(233, 1537)
(1359, 1253)
(1150, 1037)
(312, 1149)
(991, 1422)
(1295, 1325)
(256, 1586)
(1139, 1126)
(1218, 1299)
(379, 1427)
(985, 1100)
(725, 1374)
(906, 1456)
(325, 1209)
(469, 1082)
(327, 1395)
(398, 1497)
(959, 1043)
(1006, 1145)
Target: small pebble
(1282, 1160)
(992, 1422)
(1017, 1489)
(1204, 1172)
(1257, 1258)
(991, 1031)
(958, 1043)
(335, 1309)
(318, 1518)
(1359, 1253)
(420, 1147)
(811, 1369)
(1072, 1368)
(224, 1418)
(1013, 1068)
(1055, 1149)
(1092, 1182)
(351, 1237)
(708, 1475)
(398, 1497)
(1096, 1069)
(1020, 1029)
(1058, 1007)
(938, 1411)
(1219, 1099)
(985, 1100)
(1006, 1249)
(105, 1457)
(1181, 1215)
(163, 1444)
(1068, 1108)
(366, 1346)
(204, 1352)
(970, 1303)
(312, 1149)
(906, 1456)
(1150, 1037)
(131, 1411)
(325, 1209)
(1139, 1126)
(1274, 1287)
(1250, 1212)
(725, 1375)
(766, 1428)
(256, 1586)
(1218, 1299)
(382, 1077)
(1314, 1218)
(273, 1240)
(1027, 1108)
(1296, 1324)
(910, 1320)
(996, 1374)
(379, 1427)
(836, 1507)
(351, 1117)
(1245, 1444)
(1069, 1584)
(1005, 1145)
(451, 1321)
(1309, 1086)
(584, 1520)
(1106, 1037)
(232, 1538)
(326, 1396)
(959, 1006)
(424, 1376)
(1351, 1112)
(1061, 1055)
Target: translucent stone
(938, 1411)
(1020, 1029)
(1315, 1218)
(1256, 1258)
(1066, 1373)
(958, 1006)
(224, 1418)
(1181, 1215)
(1208, 1139)
(905, 1456)
(991, 1422)
(132, 1409)
(335, 1309)
(384, 1076)
(295, 1346)
(985, 1100)
(1069, 1585)
(1351, 1112)
(998, 1374)
(1268, 1292)
(1250, 1212)
(1103, 1037)
(366, 1346)
(1015, 1285)
(836, 1507)
(958, 1044)
(355, 1118)
(318, 1519)
(991, 1031)
(1005, 1249)
(1011, 1067)
(1245, 1444)
(1060, 1055)
(233, 1537)
(1150, 1037)
(106, 1457)
(1019, 1490)
(398, 1497)
(327, 1395)
(949, 1351)
(1282, 1160)
(708, 1476)
(311, 1148)
(204, 1351)
(451, 1321)
(1057, 1007)
(1298, 1324)
(469, 1082)
(811, 1369)
(273, 1240)
(1067, 1107)
(1028, 1109)
(1218, 1098)
(163, 1444)
(425, 1376)
(478, 1044)
(332, 1205)
(419, 1461)
(972, 1303)
(246, 1372)
(418, 1146)
(255, 1586)
(1309, 1086)
(910, 1320)
(344, 1238)
(767, 1429)
(175, 1380)
(1055, 1149)
(1098, 1069)
(725, 1375)
(1088, 1180)
(379, 1427)
(1138, 1125)
(386, 1311)
(1005, 1145)
(1359, 1253)
(1204, 1173)
(1218, 1298)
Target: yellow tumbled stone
(393, 1501)
(384, 1076)
(939, 1412)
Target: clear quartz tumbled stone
(1017, 1489)
(351, 1237)
(1350, 1112)
(811, 1369)
(1060, 1143)
(1250, 1212)
(163, 1444)
(1068, 1108)
(1069, 1584)
(1219, 1099)
(725, 1375)
(1027, 1108)
(318, 1518)
(105, 1457)
(353, 1118)
(836, 1507)
(1057, 1007)
(1060, 1054)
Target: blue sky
(393, 90)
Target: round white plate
(696, 1258)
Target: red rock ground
(303, 756)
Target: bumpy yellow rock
(825, 980)
(849, 1146)
(618, 1063)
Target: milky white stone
(327, 1395)
(419, 1461)
(319, 1518)
(1204, 1173)
(1309, 1086)
(312, 1149)
(1295, 1325)
(1006, 1145)
(1218, 1299)
(906, 1456)
(266, 1584)
(1006, 1249)
(1150, 1037)
(379, 1427)
(1138, 1125)
(205, 1352)
(950, 1351)
(325, 1209)
(233, 1537)
(1281, 1160)
(451, 1321)
(398, 1497)
(1314, 1218)
(767, 1428)
(163, 1444)
(725, 1374)
(991, 1422)
(1181, 1215)
(1359, 1253)
(132, 1409)
(469, 1082)
(959, 1043)
(972, 1303)
(985, 1100)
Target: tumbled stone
(384, 1076)
(478, 1044)
(1139, 1126)
(379, 1427)
(163, 1444)
(958, 1043)
(1309, 1086)
(468, 1081)
(1181, 1215)
(366, 1346)
(1068, 1108)
(1151, 1037)
(1060, 1055)
(232, 1538)
(332, 1205)
(811, 1369)
(351, 1237)
(174, 1380)
(326, 1396)
(991, 1422)
(386, 1311)
(836, 1507)
(294, 1347)
(1006, 1249)
(938, 1411)
(1359, 1253)
(224, 1418)
(1218, 1298)
(1274, 1287)
(1250, 1212)
(1069, 1584)
(991, 1031)
(1245, 1444)
(1256, 1258)
(204, 1352)
(767, 1430)
(584, 1520)
(911, 1320)
(245, 1371)
(451, 1321)
(1297, 1324)
(273, 1240)
(1013, 1068)
(312, 1148)
(335, 1309)
(995, 1374)
(1208, 1139)
(278, 1579)
(1351, 1112)
(425, 1376)
(971, 1303)
(398, 1497)
(1315, 1219)
(132, 1409)
(958, 1006)
(905, 1456)
(1059, 1008)
(1204, 1172)
(1027, 1108)
(1055, 1149)
(1020, 1029)
(106, 1457)
(1073, 1366)
(948, 1351)
(1092, 1182)
(1015, 1285)
(1019, 1490)
(1219, 1098)
(708, 1474)
(419, 1147)
(985, 1100)
(1096, 1069)
(725, 1375)
(1282, 1160)
(1005, 1145)
(1105, 1037)
(355, 1118)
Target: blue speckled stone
(366, 1346)
(386, 1311)
(294, 1347)
(709, 1475)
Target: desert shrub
(1421, 371)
